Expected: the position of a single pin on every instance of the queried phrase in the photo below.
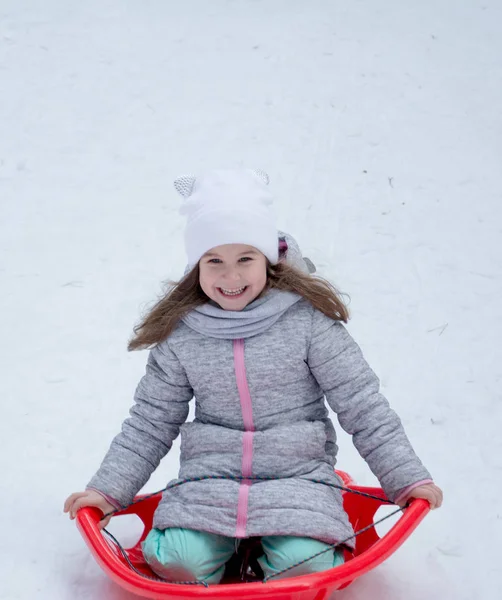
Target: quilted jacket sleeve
(353, 392)
(161, 405)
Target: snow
(380, 126)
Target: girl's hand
(429, 491)
(88, 498)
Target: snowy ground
(380, 125)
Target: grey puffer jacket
(260, 412)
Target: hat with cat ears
(232, 206)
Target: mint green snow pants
(188, 555)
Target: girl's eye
(215, 261)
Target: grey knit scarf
(213, 321)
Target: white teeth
(233, 292)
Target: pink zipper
(247, 438)
(242, 385)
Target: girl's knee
(186, 555)
(282, 552)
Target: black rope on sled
(333, 546)
(128, 560)
(240, 478)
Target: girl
(259, 342)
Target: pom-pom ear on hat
(184, 185)
(262, 175)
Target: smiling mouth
(233, 293)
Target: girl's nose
(232, 275)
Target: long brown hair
(186, 294)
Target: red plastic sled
(371, 550)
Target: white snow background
(379, 123)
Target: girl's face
(233, 275)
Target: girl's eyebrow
(240, 254)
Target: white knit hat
(228, 207)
